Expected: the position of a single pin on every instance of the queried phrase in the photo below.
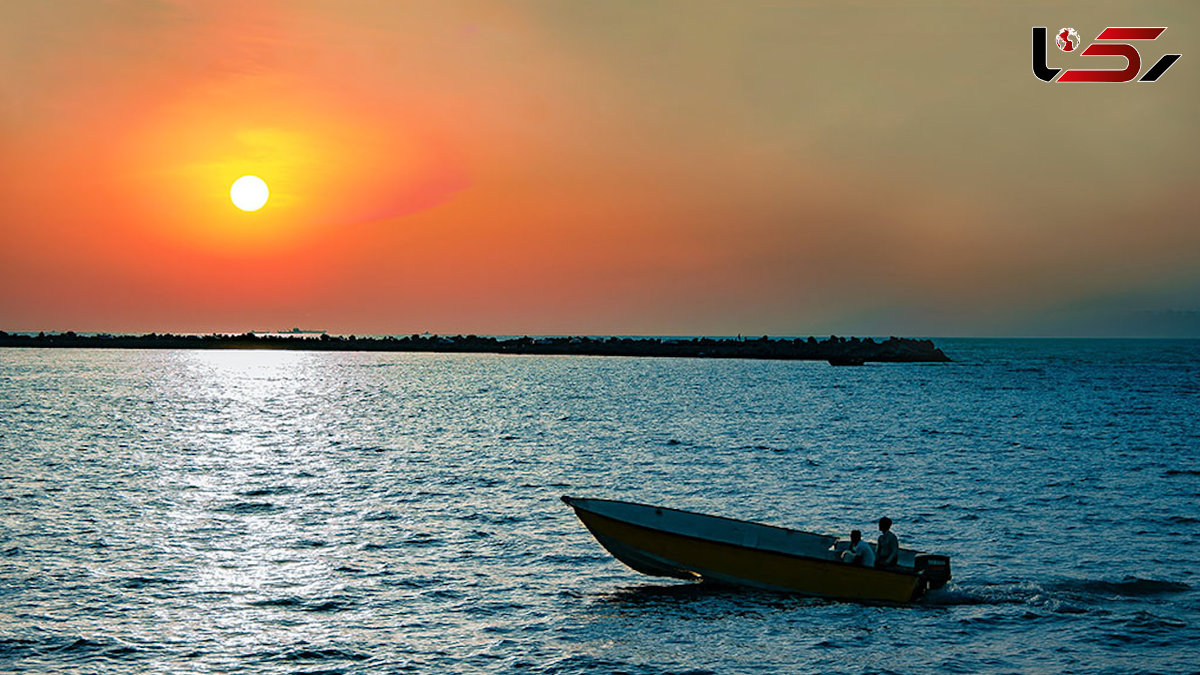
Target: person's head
(855, 536)
(885, 524)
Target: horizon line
(742, 336)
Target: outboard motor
(934, 569)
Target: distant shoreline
(835, 350)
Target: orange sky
(679, 167)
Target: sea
(316, 512)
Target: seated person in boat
(860, 552)
(888, 548)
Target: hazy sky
(564, 167)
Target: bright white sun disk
(249, 193)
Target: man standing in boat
(888, 548)
(860, 552)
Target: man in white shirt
(860, 552)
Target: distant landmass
(835, 350)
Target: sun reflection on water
(248, 373)
(247, 490)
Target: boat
(679, 544)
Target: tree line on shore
(836, 350)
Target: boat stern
(934, 569)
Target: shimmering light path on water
(272, 512)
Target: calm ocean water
(287, 512)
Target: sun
(249, 193)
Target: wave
(689, 597)
(1130, 587)
(144, 582)
(580, 663)
(70, 647)
(370, 449)
(760, 446)
(310, 543)
(312, 654)
(249, 508)
(306, 605)
(268, 491)
(1183, 520)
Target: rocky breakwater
(835, 350)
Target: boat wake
(1070, 596)
(1067, 596)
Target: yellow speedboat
(684, 545)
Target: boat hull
(654, 548)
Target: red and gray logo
(1112, 41)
